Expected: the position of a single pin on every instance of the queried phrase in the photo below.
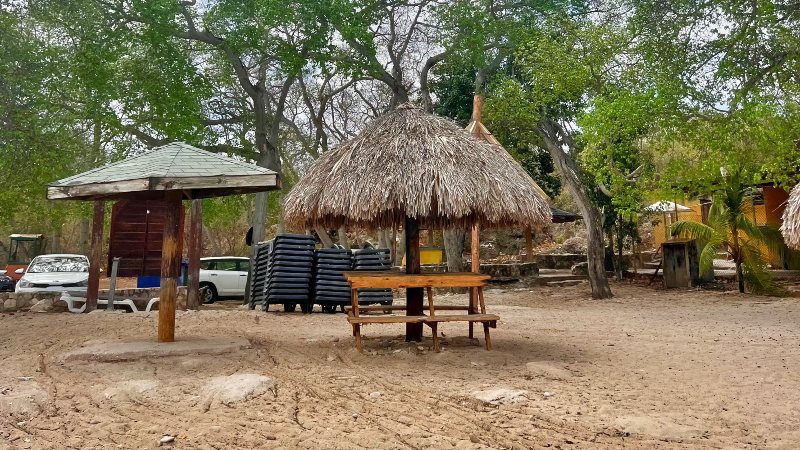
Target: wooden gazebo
(172, 173)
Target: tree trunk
(324, 237)
(84, 236)
(342, 232)
(598, 279)
(454, 249)
(401, 249)
(737, 259)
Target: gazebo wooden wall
(137, 229)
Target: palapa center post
(170, 267)
(414, 296)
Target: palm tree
(730, 228)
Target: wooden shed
(137, 229)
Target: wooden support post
(170, 267)
(414, 296)
(92, 291)
(528, 244)
(195, 251)
(475, 247)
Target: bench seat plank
(385, 319)
(463, 318)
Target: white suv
(223, 276)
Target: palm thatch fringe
(791, 219)
(410, 163)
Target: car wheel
(209, 293)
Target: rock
(500, 395)
(582, 268)
(375, 394)
(548, 370)
(24, 378)
(10, 304)
(547, 394)
(127, 390)
(23, 401)
(166, 439)
(42, 306)
(235, 388)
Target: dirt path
(649, 369)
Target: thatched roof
(408, 162)
(791, 219)
(479, 130)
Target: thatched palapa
(411, 163)
(791, 219)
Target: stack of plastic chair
(373, 259)
(258, 280)
(331, 289)
(289, 272)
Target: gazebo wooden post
(475, 248)
(414, 296)
(528, 244)
(93, 290)
(195, 250)
(170, 267)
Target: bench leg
(357, 333)
(486, 335)
(471, 310)
(435, 336)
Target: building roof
(176, 166)
(563, 216)
(408, 163)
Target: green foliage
(731, 229)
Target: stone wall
(558, 261)
(35, 302)
(51, 301)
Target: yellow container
(429, 256)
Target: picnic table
(428, 281)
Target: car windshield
(58, 264)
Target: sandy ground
(648, 369)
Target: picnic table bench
(475, 313)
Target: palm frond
(693, 230)
(709, 253)
(757, 278)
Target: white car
(223, 276)
(55, 273)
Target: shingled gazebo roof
(176, 166)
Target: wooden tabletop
(397, 280)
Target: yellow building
(766, 209)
